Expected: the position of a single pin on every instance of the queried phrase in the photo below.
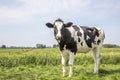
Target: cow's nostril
(58, 37)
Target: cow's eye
(55, 30)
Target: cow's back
(87, 38)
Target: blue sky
(22, 22)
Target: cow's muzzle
(58, 37)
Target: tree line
(111, 46)
(41, 46)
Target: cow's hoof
(95, 72)
(70, 75)
(64, 74)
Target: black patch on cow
(61, 45)
(66, 35)
(68, 41)
(70, 46)
(78, 39)
(79, 33)
(59, 20)
(81, 43)
(49, 25)
(68, 24)
(76, 28)
(98, 42)
(92, 33)
(55, 31)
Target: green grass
(45, 64)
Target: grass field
(45, 64)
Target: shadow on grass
(104, 72)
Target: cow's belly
(83, 49)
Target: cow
(74, 38)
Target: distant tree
(55, 45)
(111, 46)
(3, 46)
(40, 46)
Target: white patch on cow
(82, 48)
(76, 37)
(89, 31)
(101, 33)
(72, 31)
(58, 25)
(88, 37)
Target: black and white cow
(77, 38)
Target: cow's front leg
(71, 61)
(63, 55)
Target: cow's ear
(68, 24)
(49, 25)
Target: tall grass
(45, 64)
(44, 57)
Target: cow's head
(58, 26)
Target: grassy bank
(45, 64)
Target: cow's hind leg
(96, 56)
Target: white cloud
(10, 15)
(30, 8)
(105, 9)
